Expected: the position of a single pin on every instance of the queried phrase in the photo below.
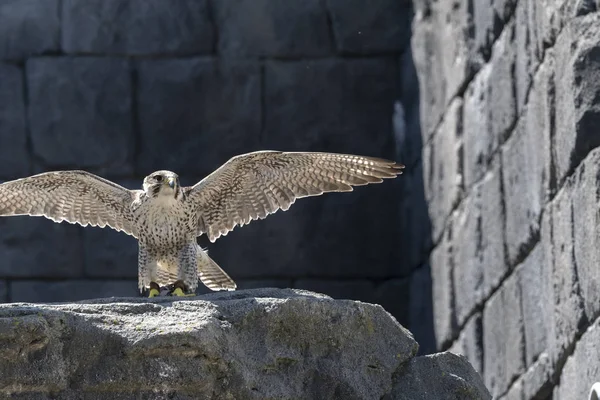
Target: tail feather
(212, 275)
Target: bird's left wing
(72, 196)
(254, 185)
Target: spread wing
(72, 196)
(254, 185)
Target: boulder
(252, 344)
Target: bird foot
(154, 290)
(180, 289)
(179, 292)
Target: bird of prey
(166, 218)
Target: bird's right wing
(72, 196)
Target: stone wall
(509, 114)
(126, 88)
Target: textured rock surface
(517, 248)
(264, 343)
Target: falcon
(167, 218)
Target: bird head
(162, 183)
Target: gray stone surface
(311, 345)
(318, 104)
(569, 312)
(502, 101)
(80, 113)
(581, 369)
(531, 276)
(523, 187)
(265, 28)
(468, 270)
(470, 342)
(442, 268)
(526, 45)
(13, 123)
(446, 56)
(487, 26)
(37, 247)
(37, 291)
(479, 141)
(137, 27)
(480, 259)
(364, 27)
(454, 379)
(577, 48)
(28, 27)
(503, 338)
(444, 178)
(587, 236)
(188, 106)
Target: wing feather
(254, 185)
(72, 196)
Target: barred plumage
(166, 218)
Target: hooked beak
(171, 183)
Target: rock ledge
(252, 344)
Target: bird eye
(158, 178)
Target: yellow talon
(179, 292)
(153, 293)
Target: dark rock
(13, 124)
(28, 27)
(109, 254)
(137, 27)
(455, 379)
(363, 27)
(420, 315)
(272, 28)
(80, 113)
(196, 113)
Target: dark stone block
(37, 247)
(345, 106)
(13, 131)
(137, 27)
(28, 27)
(196, 113)
(3, 292)
(272, 28)
(36, 291)
(80, 113)
(365, 27)
(409, 142)
(110, 254)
